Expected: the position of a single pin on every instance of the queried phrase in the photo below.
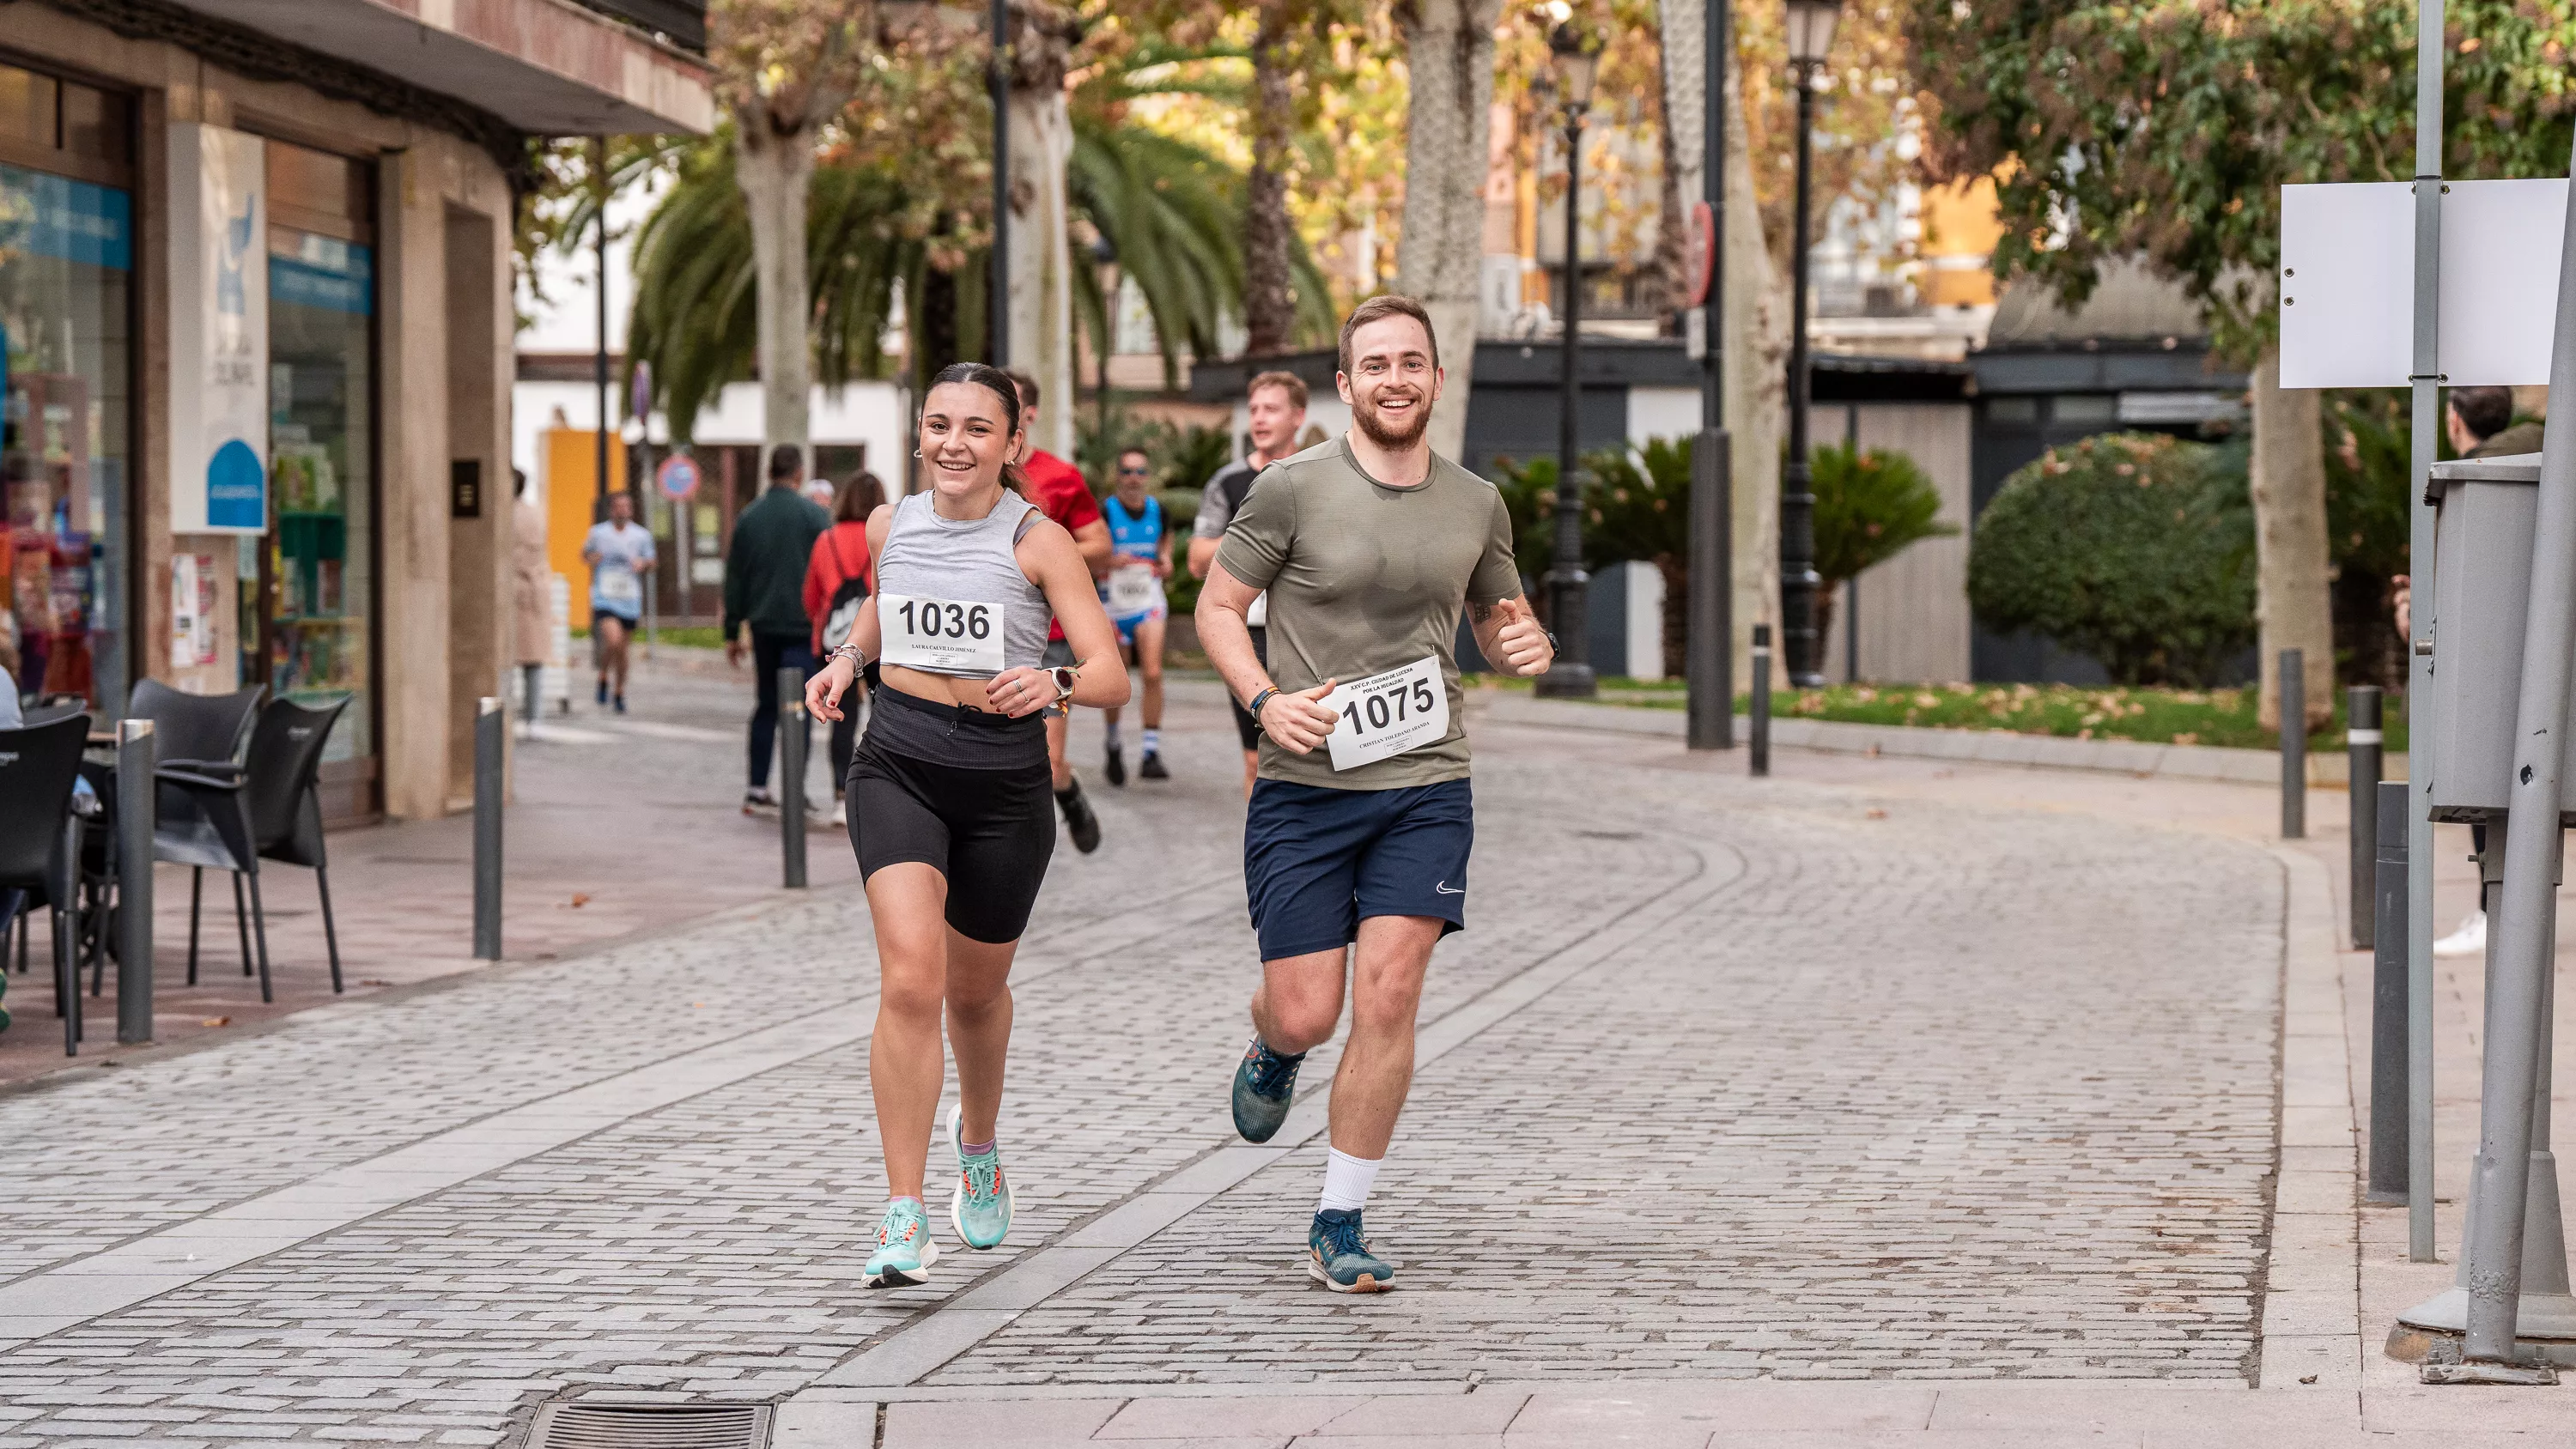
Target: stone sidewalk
(2002, 1107)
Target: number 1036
(1379, 711)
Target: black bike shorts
(989, 831)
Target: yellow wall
(1960, 230)
(572, 488)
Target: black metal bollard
(792, 743)
(1759, 753)
(491, 737)
(2294, 745)
(137, 753)
(2361, 738)
(2388, 1043)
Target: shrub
(2130, 547)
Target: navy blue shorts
(1316, 861)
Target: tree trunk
(1041, 259)
(1678, 72)
(2294, 594)
(1449, 68)
(1755, 332)
(774, 164)
(1269, 307)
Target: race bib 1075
(943, 636)
(1387, 714)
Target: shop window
(66, 265)
(312, 607)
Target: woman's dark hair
(998, 382)
(860, 497)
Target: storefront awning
(549, 67)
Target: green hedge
(2134, 548)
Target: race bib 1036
(1387, 714)
(943, 636)
(1133, 590)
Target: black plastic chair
(269, 809)
(195, 729)
(40, 843)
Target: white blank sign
(2348, 279)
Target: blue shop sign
(334, 275)
(55, 216)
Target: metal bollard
(490, 738)
(791, 774)
(1759, 751)
(2294, 745)
(2390, 1159)
(2361, 738)
(137, 754)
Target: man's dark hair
(2485, 411)
(518, 482)
(625, 493)
(1027, 385)
(1295, 385)
(1383, 305)
(1132, 451)
(785, 461)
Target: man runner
(620, 553)
(1275, 412)
(1133, 594)
(1058, 489)
(1360, 825)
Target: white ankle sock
(1347, 1181)
(1153, 740)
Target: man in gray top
(1274, 412)
(1360, 825)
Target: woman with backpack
(838, 575)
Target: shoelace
(1342, 1237)
(897, 1225)
(1271, 1072)
(984, 1176)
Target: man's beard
(1373, 427)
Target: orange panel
(571, 458)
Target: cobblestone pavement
(1807, 1083)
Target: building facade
(255, 284)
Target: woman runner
(950, 797)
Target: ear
(1341, 384)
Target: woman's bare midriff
(937, 687)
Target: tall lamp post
(1811, 30)
(1576, 60)
(1104, 270)
(997, 274)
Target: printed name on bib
(1388, 714)
(941, 635)
(1133, 589)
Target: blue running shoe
(904, 1247)
(1338, 1255)
(979, 1206)
(1264, 1087)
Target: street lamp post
(1811, 31)
(1104, 269)
(997, 275)
(1576, 61)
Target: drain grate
(591, 1425)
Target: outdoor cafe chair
(269, 808)
(202, 733)
(40, 843)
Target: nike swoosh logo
(1443, 888)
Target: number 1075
(1392, 707)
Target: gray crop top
(972, 562)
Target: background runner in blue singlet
(1140, 541)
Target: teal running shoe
(904, 1247)
(1338, 1255)
(1265, 1086)
(979, 1206)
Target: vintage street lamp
(1576, 59)
(1811, 31)
(1104, 268)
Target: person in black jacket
(764, 597)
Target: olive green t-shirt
(1364, 578)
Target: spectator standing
(531, 594)
(764, 604)
(838, 576)
(1058, 489)
(2479, 423)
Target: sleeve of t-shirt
(1264, 529)
(1216, 507)
(1080, 508)
(1498, 575)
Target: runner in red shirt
(1058, 489)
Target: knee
(912, 996)
(1305, 1019)
(977, 999)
